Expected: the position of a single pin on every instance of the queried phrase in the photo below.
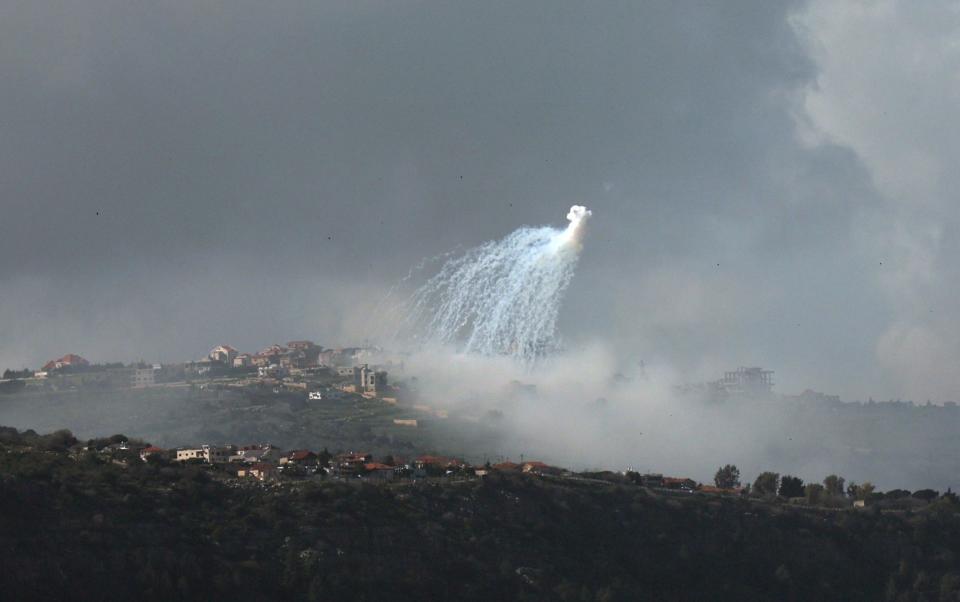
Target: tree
(323, 458)
(813, 492)
(766, 484)
(925, 494)
(57, 441)
(791, 486)
(727, 477)
(866, 490)
(833, 485)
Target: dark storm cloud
(177, 174)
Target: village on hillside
(298, 366)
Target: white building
(224, 354)
(142, 377)
(189, 454)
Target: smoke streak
(503, 297)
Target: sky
(771, 182)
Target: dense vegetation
(78, 526)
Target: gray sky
(771, 182)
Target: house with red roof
(351, 463)
(299, 457)
(375, 471)
(681, 483)
(153, 450)
(535, 467)
(224, 354)
(70, 360)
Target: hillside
(78, 527)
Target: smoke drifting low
(489, 359)
(588, 408)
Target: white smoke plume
(501, 298)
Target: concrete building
(189, 454)
(377, 472)
(368, 380)
(208, 453)
(747, 382)
(260, 471)
(143, 377)
(217, 454)
(271, 371)
(223, 354)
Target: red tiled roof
(352, 457)
(377, 466)
(434, 460)
(70, 359)
(152, 449)
(301, 454)
(73, 359)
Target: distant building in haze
(746, 382)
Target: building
(223, 354)
(302, 345)
(271, 371)
(151, 451)
(189, 454)
(298, 359)
(208, 453)
(351, 462)
(747, 382)
(244, 360)
(379, 472)
(540, 468)
(683, 484)
(259, 470)
(436, 465)
(256, 453)
(274, 351)
(300, 457)
(143, 377)
(651, 480)
(70, 360)
(306, 354)
(217, 454)
(338, 357)
(368, 380)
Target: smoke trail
(503, 297)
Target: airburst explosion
(503, 297)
